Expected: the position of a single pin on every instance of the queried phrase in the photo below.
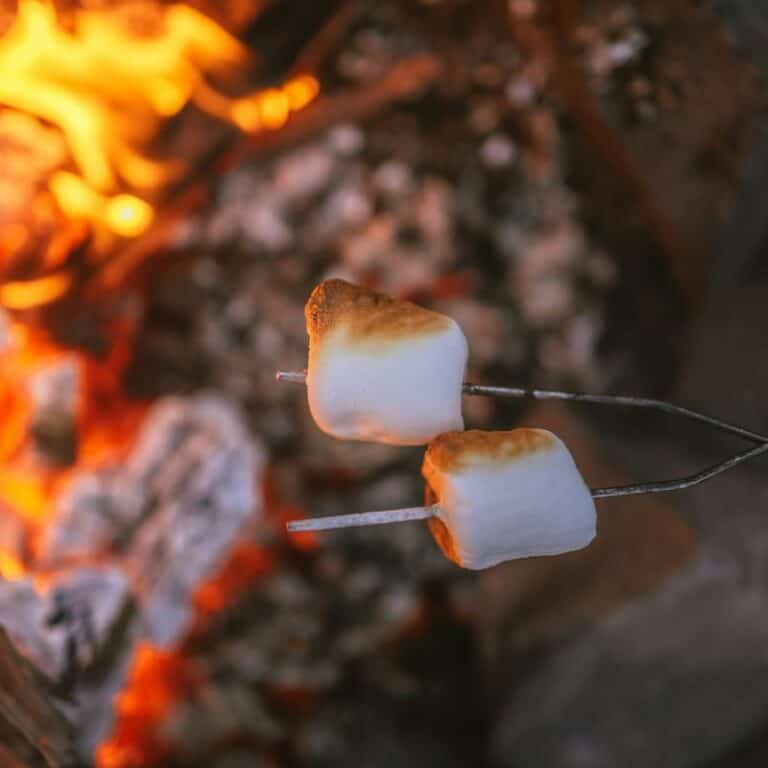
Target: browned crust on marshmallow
(452, 452)
(439, 530)
(367, 315)
(444, 539)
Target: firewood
(33, 733)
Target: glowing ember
(301, 92)
(106, 422)
(246, 564)
(157, 681)
(84, 96)
(109, 79)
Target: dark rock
(668, 681)
(672, 679)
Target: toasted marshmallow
(504, 495)
(382, 370)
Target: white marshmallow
(504, 495)
(382, 370)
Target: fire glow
(90, 91)
(107, 81)
(106, 424)
(110, 79)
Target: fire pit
(175, 179)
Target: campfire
(175, 178)
(89, 97)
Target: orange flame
(246, 564)
(34, 293)
(106, 422)
(157, 680)
(107, 82)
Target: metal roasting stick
(661, 486)
(362, 518)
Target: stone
(667, 677)
(668, 681)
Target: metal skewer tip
(292, 377)
(362, 518)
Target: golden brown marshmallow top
(367, 315)
(452, 452)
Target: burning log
(65, 631)
(200, 470)
(33, 734)
(24, 616)
(161, 524)
(191, 455)
(89, 604)
(176, 507)
(89, 518)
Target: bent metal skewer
(663, 486)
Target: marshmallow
(382, 370)
(504, 495)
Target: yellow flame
(109, 79)
(127, 215)
(10, 566)
(301, 91)
(34, 293)
(94, 81)
(24, 493)
(271, 108)
(124, 214)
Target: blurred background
(581, 184)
